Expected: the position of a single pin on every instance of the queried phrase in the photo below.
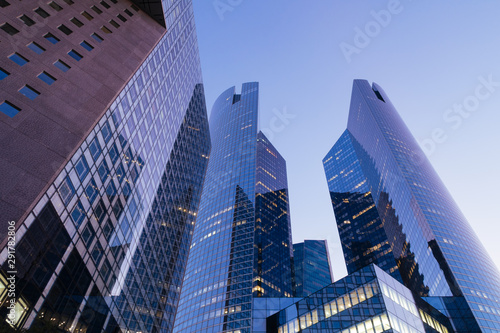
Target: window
(55, 6)
(103, 170)
(4, 3)
(18, 59)
(88, 234)
(42, 12)
(114, 24)
(66, 190)
(97, 37)
(26, 20)
(86, 46)
(121, 17)
(51, 38)
(9, 109)
(95, 149)
(3, 74)
(128, 12)
(69, 2)
(105, 4)
(47, 78)
(114, 1)
(76, 22)
(9, 29)
(105, 30)
(62, 65)
(65, 29)
(97, 252)
(36, 48)
(75, 55)
(78, 214)
(87, 16)
(106, 132)
(113, 153)
(29, 92)
(134, 7)
(91, 191)
(97, 10)
(82, 168)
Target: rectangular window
(86, 46)
(105, 30)
(62, 65)
(95, 149)
(113, 153)
(82, 168)
(42, 12)
(98, 38)
(75, 55)
(36, 48)
(69, 2)
(3, 74)
(97, 252)
(121, 17)
(134, 7)
(4, 3)
(66, 190)
(9, 29)
(78, 214)
(114, 23)
(88, 234)
(91, 191)
(76, 22)
(105, 4)
(128, 12)
(103, 170)
(114, 1)
(47, 78)
(96, 9)
(9, 109)
(26, 20)
(51, 38)
(55, 6)
(87, 16)
(29, 92)
(65, 29)
(106, 132)
(18, 59)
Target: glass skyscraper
(393, 210)
(242, 244)
(105, 143)
(312, 270)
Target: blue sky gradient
(438, 62)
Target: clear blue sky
(427, 56)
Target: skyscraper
(104, 144)
(312, 268)
(393, 210)
(241, 245)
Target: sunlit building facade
(105, 143)
(242, 244)
(393, 210)
(312, 269)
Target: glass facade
(367, 301)
(241, 245)
(312, 269)
(392, 191)
(106, 245)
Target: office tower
(241, 245)
(393, 210)
(104, 143)
(312, 267)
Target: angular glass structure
(241, 245)
(312, 270)
(367, 301)
(103, 175)
(393, 210)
